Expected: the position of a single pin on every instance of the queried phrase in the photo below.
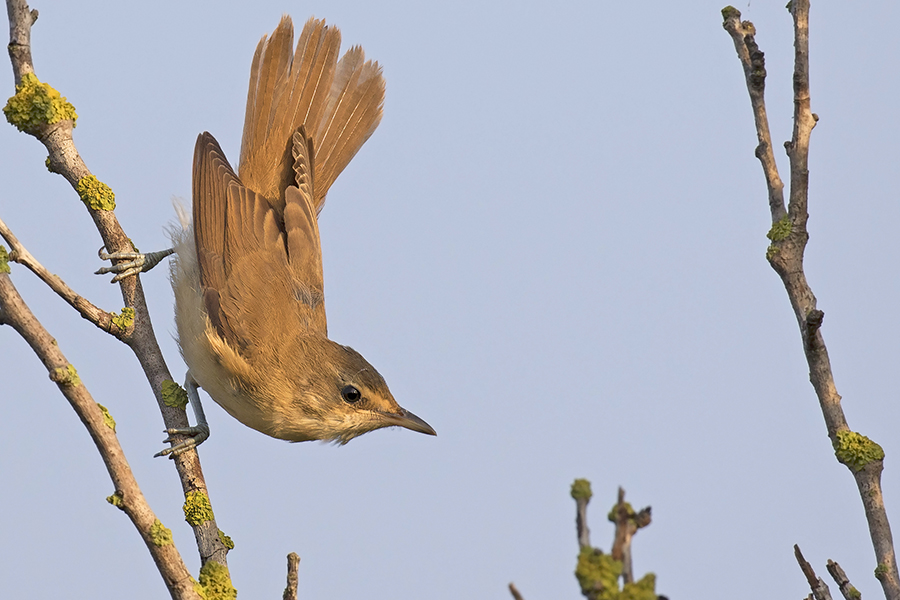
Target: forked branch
(789, 236)
(56, 135)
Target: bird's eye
(350, 394)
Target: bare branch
(515, 592)
(820, 591)
(753, 61)
(804, 119)
(293, 562)
(21, 18)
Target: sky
(553, 249)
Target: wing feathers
(302, 229)
(245, 277)
(256, 231)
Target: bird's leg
(198, 433)
(137, 262)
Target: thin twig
(840, 577)
(789, 236)
(290, 591)
(102, 319)
(820, 591)
(753, 61)
(515, 592)
(581, 526)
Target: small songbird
(249, 298)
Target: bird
(247, 272)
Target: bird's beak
(406, 419)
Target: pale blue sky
(553, 250)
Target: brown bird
(249, 296)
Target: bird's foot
(135, 262)
(196, 436)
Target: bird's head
(341, 396)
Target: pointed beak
(410, 421)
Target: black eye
(350, 394)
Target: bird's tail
(339, 102)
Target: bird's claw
(136, 262)
(196, 436)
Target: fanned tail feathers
(338, 102)
(353, 112)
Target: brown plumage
(248, 281)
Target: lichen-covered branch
(102, 428)
(627, 523)
(581, 493)
(847, 590)
(788, 237)
(39, 110)
(598, 573)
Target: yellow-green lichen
(36, 104)
(598, 574)
(730, 11)
(852, 592)
(781, 229)
(198, 588)
(614, 512)
(880, 571)
(107, 418)
(66, 376)
(95, 194)
(778, 233)
(643, 589)
(856, 450)
(173, 394)
(581, 489)
(4, 260)
(215, 582)
(226, 541)
(116, 500)
(125, 320)
(197, 508)
(160, 535)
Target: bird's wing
(251, 292)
